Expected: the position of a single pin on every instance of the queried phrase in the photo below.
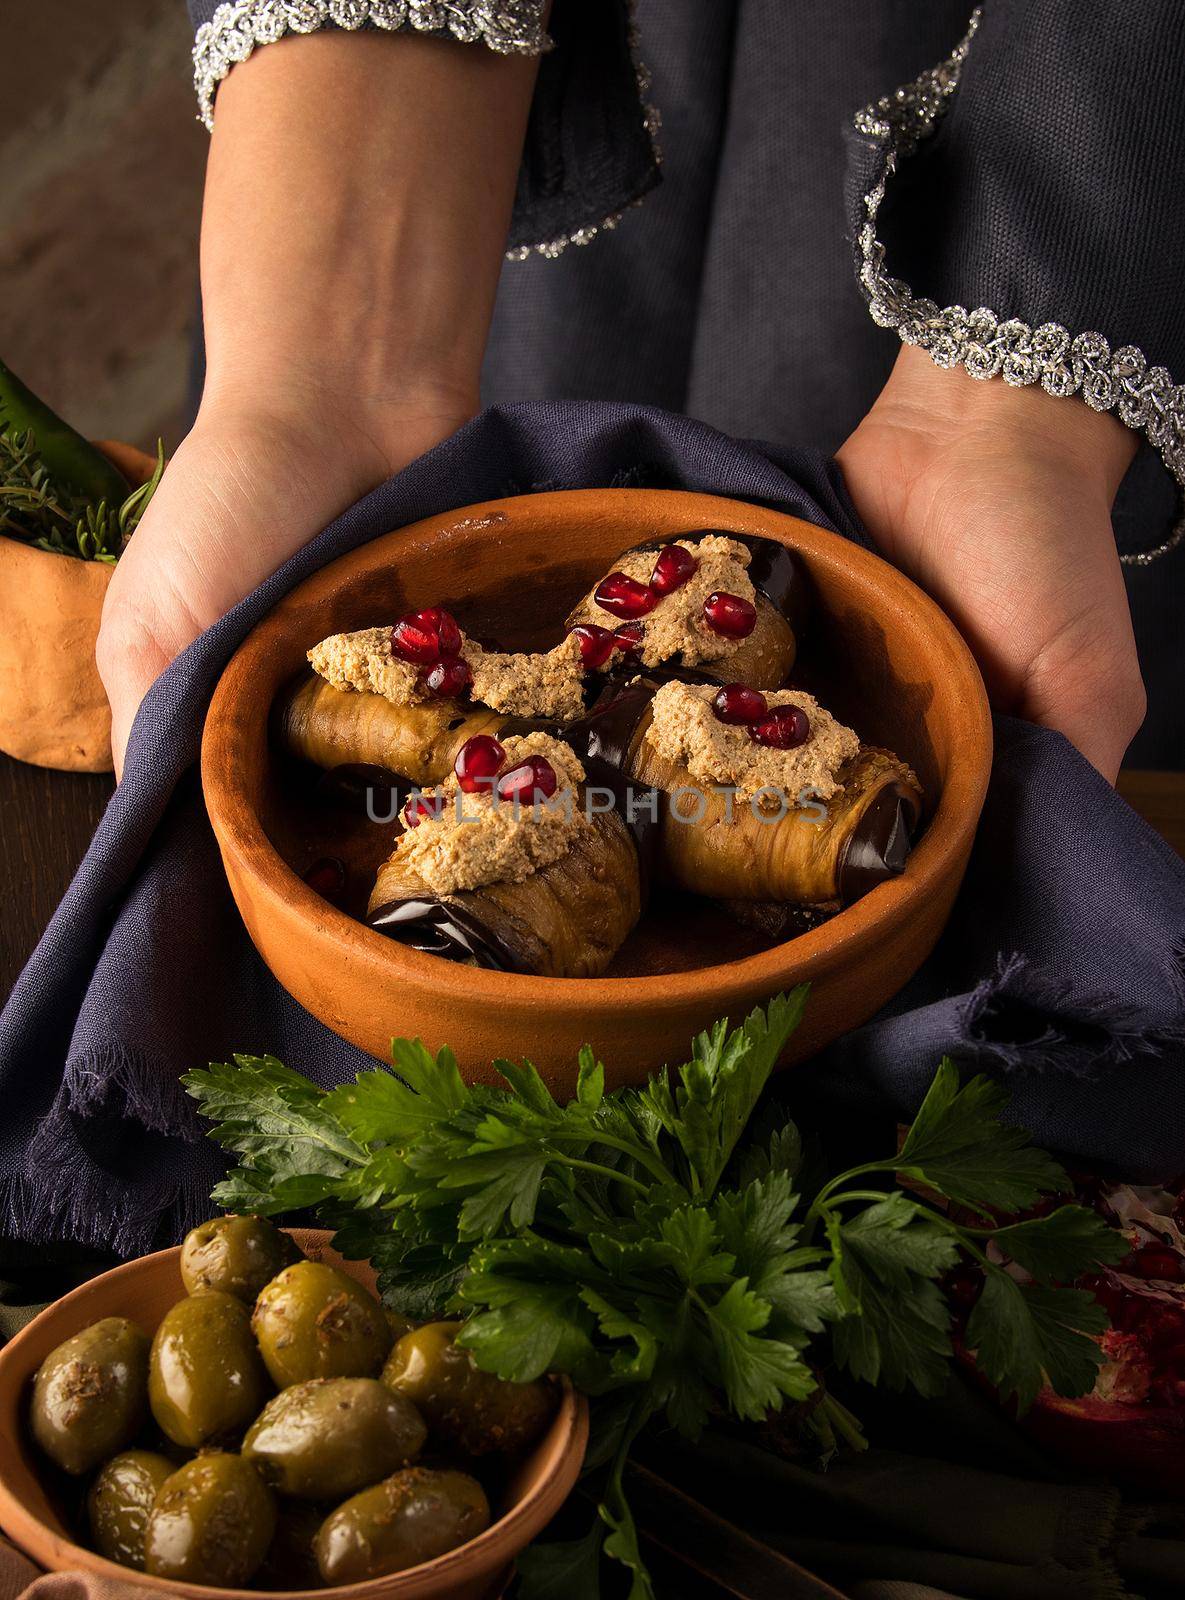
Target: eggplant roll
(763, 659)
(567, 920)
(713, 844)
(833, 850)
(342, 727)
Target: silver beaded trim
(511, 27)
(1144, 398)
(651, 121)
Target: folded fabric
(897, 1524)
(18, 1576)
(146, 970)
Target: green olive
(463, 1406)
(313, 1321)
(212, 1522)
(415, 1516)
(90, 1394)
(291, 1561)
(397, 1323)
(205, 1379)
(120, 1500)
(234, 1255)
(323, 1439)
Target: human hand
(997, 501)
(358, 194)
(246, 489)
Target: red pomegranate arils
(423, 806)
(625, 596)
(628, 638)
(533, 779)
(448, 679)
(327, 876)
(736, 703)
(674, 567)
(478, 763)
(596, 644)
(730, 615)
(785, 728)
(426, 636)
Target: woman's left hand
(997, 501)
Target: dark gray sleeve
(590, 149)
(1019, 211)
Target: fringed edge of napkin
(1021, 1019)
(67, 1191)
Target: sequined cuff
(511, 27)
(1143, 397)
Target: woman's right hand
(358, 195)
(248, 487)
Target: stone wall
(101, 163)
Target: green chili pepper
(73, 463)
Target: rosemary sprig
(38, 511)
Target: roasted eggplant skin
(826, 851)
(766, 658)
(862, 838)
(341, 727)
(566, 921)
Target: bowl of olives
(241, 1414)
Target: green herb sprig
(632, 1241)
(38, 509)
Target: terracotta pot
(878, 652)
(144, 1290)
(53, 708)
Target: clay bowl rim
(949, 833)
(569, 1430)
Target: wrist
(357, 201)
(950, 407)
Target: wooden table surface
(47, 818)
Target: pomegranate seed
(628, 638)
(447, 679)
(624, 596)
(596, 644)
(424, 806)
(674, 567)
(737, 703)
(445, 626)
(478, 763)
(533, 779)
(1155, 1261)
(785, 728)
(730, 615)
(426, 636)
(327, 877)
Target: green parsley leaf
(621, 1543)
(896, 1331)
(590, 1080)
(1063, 1245)
(757, 1374)
(958, 1146)
(562, 1570)
(276, 1119)
(1023, 1334)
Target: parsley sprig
(634, 1241)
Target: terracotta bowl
(877, 651)
(32, 1513)
(53, 707)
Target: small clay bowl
(33, 1517)
(877, 652)
(53, 707)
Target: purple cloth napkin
(1061, 971)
